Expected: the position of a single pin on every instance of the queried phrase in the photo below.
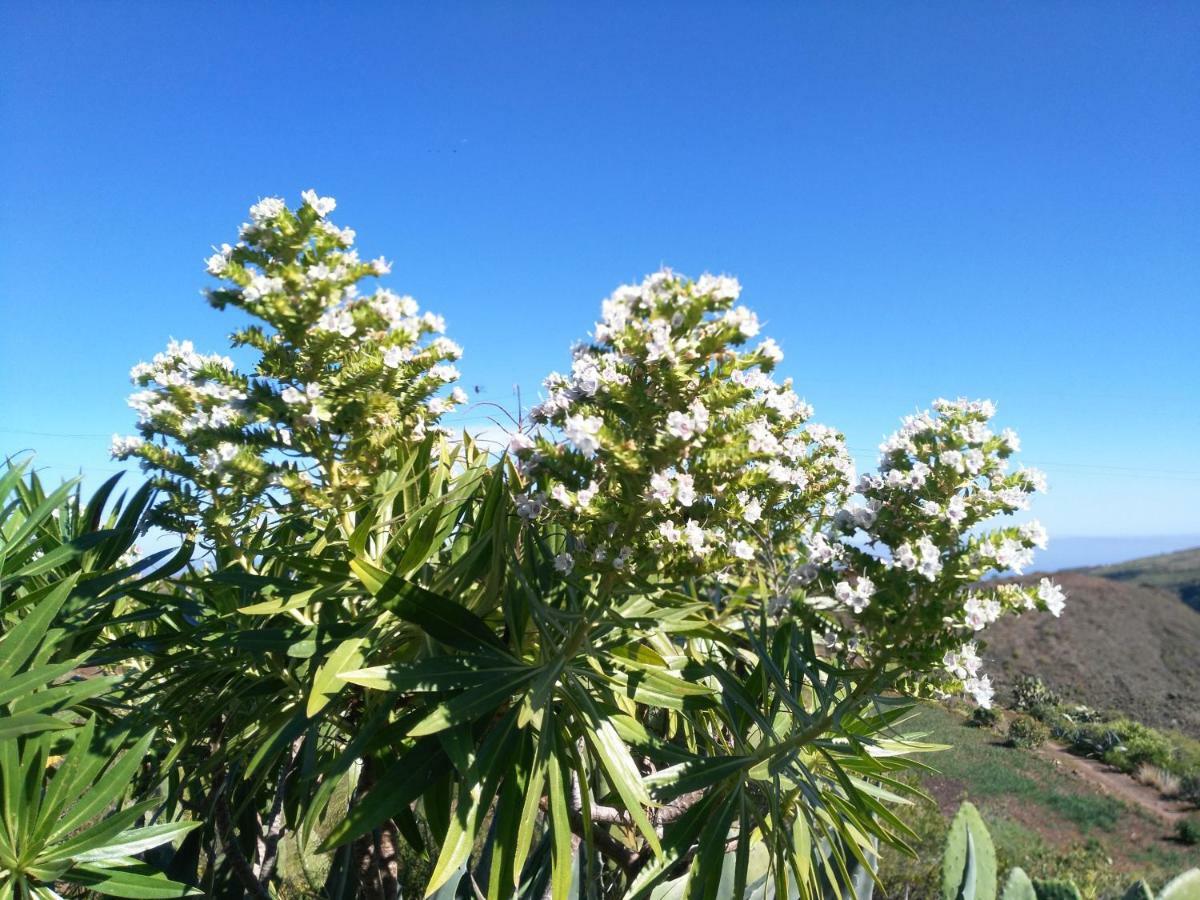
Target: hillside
(1120, 645)
(1175, 572)
(1042, 815)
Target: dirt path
(1115, 783)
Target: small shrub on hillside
(1189, 788)
(1188, 830)
(1139, 745)
(1031, 693)
(1027, 733)
(983, 718)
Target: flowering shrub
(673, 451)
(667, 626)
(340, 375)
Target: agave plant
(969, 871)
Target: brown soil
(1118, 646)
(1115, 783)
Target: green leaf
(19, 644)
(440, 673)
(440, 617)
(326, 683)
(398, 786)
(137, 882)
(470, 705)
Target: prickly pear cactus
(1056, 889)
(1139, 890)
(969, 862)
(1182, 887)
(1018, 886)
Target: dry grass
(1166, 783)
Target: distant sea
(1074, 552)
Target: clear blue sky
(988, 199)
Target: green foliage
(1027, 733)
(1030, 694)
(1189, 788)
(1055, 889)
(67, 816)
(1139, 890)
(969, 861)
(1188, 830)
(984, 717)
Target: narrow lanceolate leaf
(398, 786)
(443, 673)
(106, 790)
(476, 791)
(140, 882)
(560, 825)
(326, 683)
(695, 775)
(29, 723)
(624, 776)
(438, 616)
(135, 841)
(19, 644)
(469, 706)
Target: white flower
(978, 613)
(1035, 479)
(956, 510)
(770, 350)
(587, 494)
(219, 261)
(752, 510)
(981, 689)
(696, 538)
(443, 372)
(529, 505)
(680, 425)
(122, 447)
(744, 320)
(212, 460)
(564, 563)
(458, 396)
(963, 663)
(742, 549)
(1053, 596)
(266, 209)
(381, 266)
(322, 206)
(336, 320)
(1034, 533)
(519, 442)
(699, 416)
(583, 432)
(670, 532)
(685, 490)
(661, 488)
(559, 494)
(722, 287)
(1011, 441)
(292, 397)
(393, 356)
(857, 596)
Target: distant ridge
(1079, 552)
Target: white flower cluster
(911, 533)
(342, 373)
(694, 455)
